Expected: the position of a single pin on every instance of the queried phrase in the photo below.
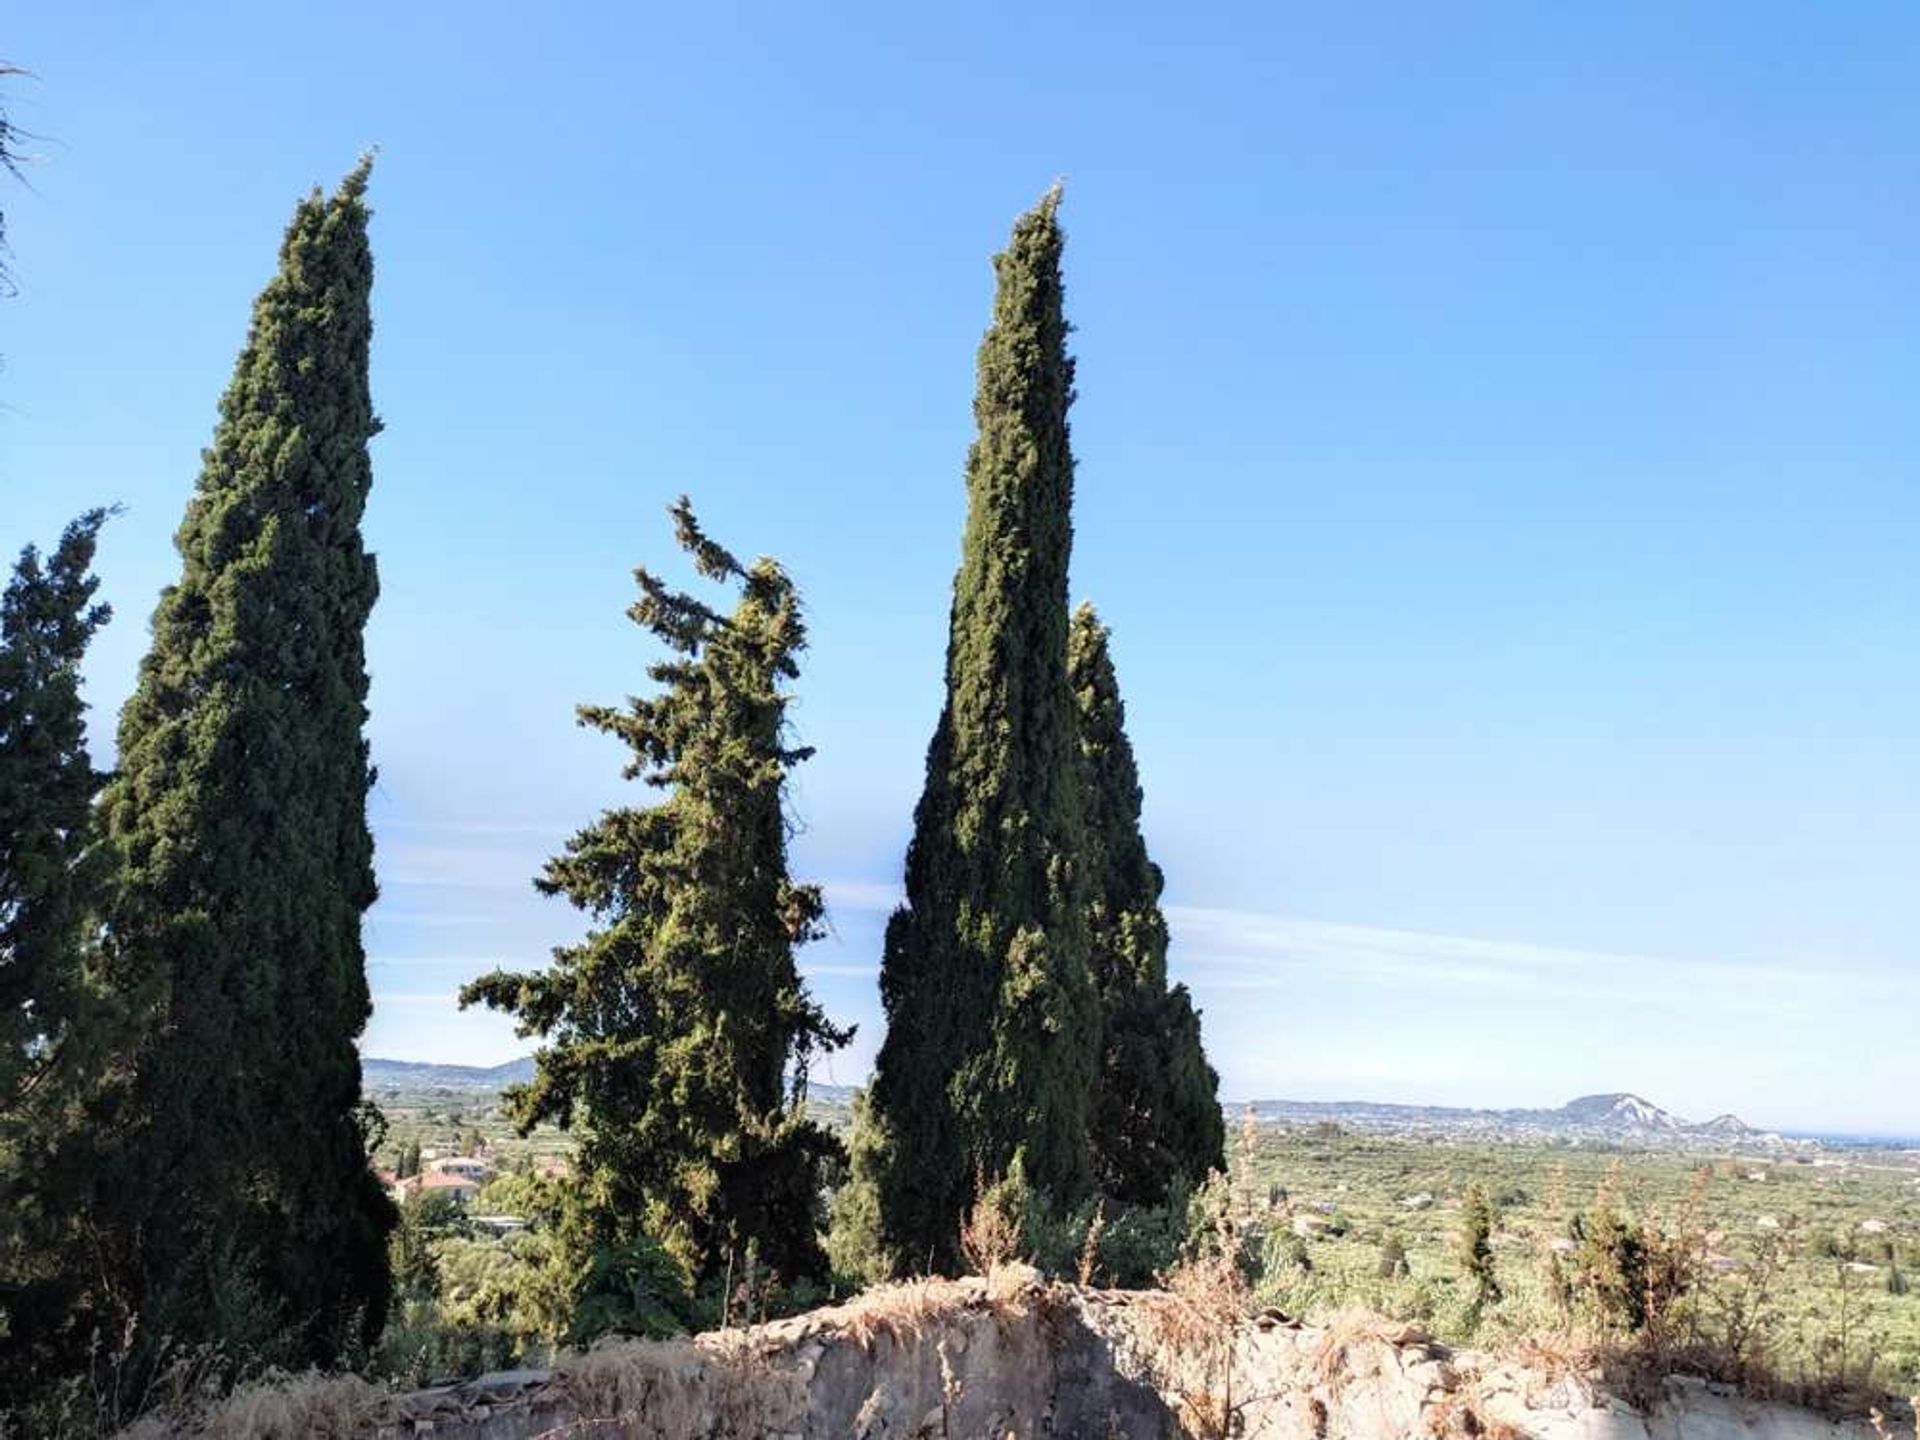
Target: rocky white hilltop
(1615, 1118)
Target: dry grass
(902, 1311)
(277, 1407)
(990, 1237)
(1204, 1302)
(1352, 1325)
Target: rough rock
(1013, 1359)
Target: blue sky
(1497, 462)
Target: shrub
(634, 1288)
(1393, 1259)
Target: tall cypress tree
(240, 1206)
(51, 880)
(1157, 1113)
(680, 1032)
(992, 1025)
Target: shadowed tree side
(52, 878)
(1157, 1113)
(679, 1032)
(992, 1024)
(237, 1205)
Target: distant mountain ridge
(378, 1074)
(1617, 1117)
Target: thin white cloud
(477, 828)
(468, 962)
(866, 896)
(437, 919)
(407, 865)
(1252, 950)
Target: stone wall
(1016, 1358)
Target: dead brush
(1353, 1325)
(1090, 1246)
(1205, 1298)
(308, 1406)
(903, 1311)
(991, 1235)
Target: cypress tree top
(992, 1029)
(239, 816)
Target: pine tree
(52, 874)
(679, 1032)
(1157, 1118)
(239, 1205)
(992, 1024)
(50, 870)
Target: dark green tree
(1157, 1118)
(52, 1022)
(1476, 1247)
(51, 867)
(678, 1032)
(238, 1204)
(1611, 1264)
(992, 1024)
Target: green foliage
(1125, 1246)
(1722, 1279)
(1393, 1259)
(1610, 1265)
(1139, 1242)
(52, 1022)
(678, 1033)
(427, 1217)
(1476, 1248)
(505, 1285)
(239, 1162)
(855, 1247)
(1156, 1114)
(992, 1037)
(50, 861)
(422, 1345)
(634, 1288)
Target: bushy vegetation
(1776, 1272)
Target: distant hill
(1617, 1118)
(377, 1075)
